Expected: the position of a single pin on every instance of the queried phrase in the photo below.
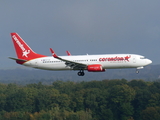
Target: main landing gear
(80, 73)
(137, 71)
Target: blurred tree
(154, 100)
(151, 113)
(119, 101)
(140, 102)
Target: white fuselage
(108, 61)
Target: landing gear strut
(80, 73)
(137, 71)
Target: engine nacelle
(95, 68)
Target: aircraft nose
(148, 61)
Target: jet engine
(95, 68)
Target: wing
(72, 64)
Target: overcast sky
(84, 26)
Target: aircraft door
(134, 59)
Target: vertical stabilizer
(23, 51)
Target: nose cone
(148, 61)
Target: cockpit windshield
(142, 57)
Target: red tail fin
(23, 51)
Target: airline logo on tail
(24, 51)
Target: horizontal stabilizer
(18, 59)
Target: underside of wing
(75, 65)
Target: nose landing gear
(137, 71)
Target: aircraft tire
(80, 73)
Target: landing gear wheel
(80, 73)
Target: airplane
(92, 63)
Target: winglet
(53, 53)
(68, 53)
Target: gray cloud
(82, 26)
